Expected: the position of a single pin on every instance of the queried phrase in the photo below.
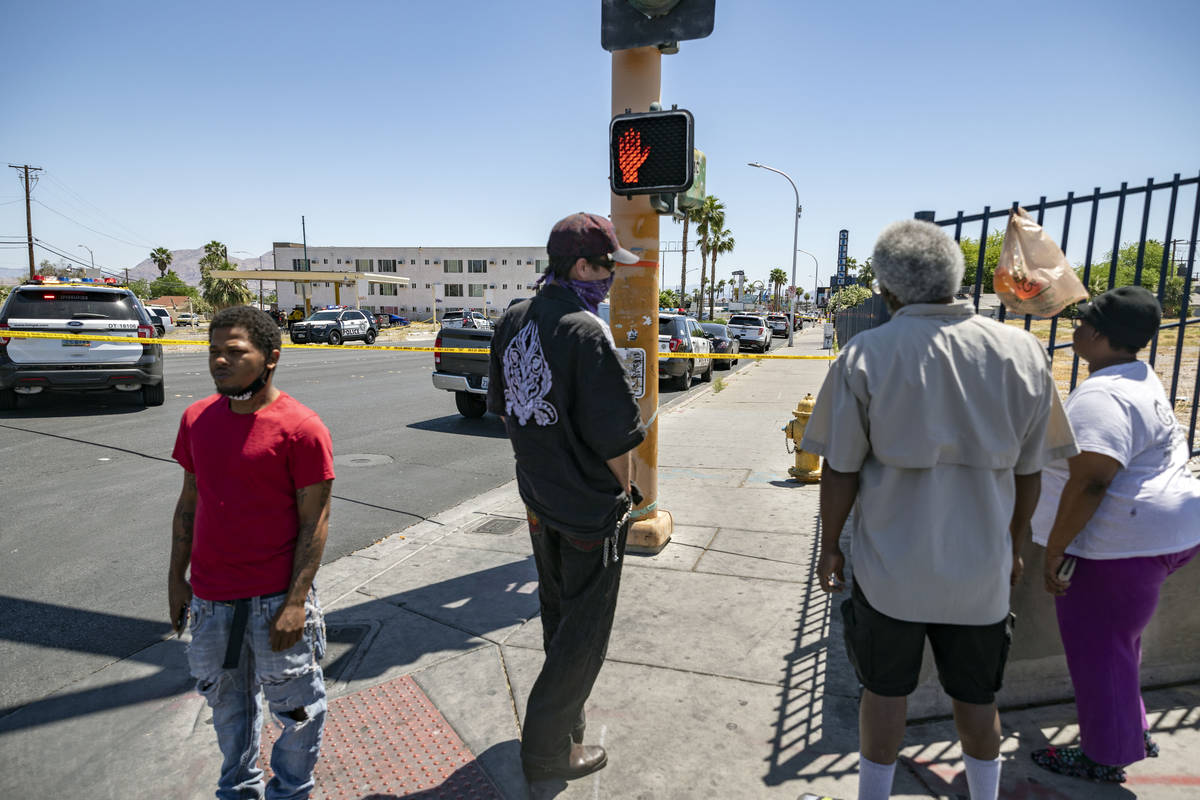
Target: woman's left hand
(1050, 566)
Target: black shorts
(886, 652)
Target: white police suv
(334, 324)
(81, 307)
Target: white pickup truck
(751, 332)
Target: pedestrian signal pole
(636, 78)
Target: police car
(334, 324)
(78, 306)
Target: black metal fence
(862, 317)
(1106, 219)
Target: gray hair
(917, 262)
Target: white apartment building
(443, 278)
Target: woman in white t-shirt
(1116, 520)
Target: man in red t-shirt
(252, 521)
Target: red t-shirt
(248, 468)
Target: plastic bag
(1033, 276)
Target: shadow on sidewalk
(465, 608)
(488, 426)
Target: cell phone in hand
(1066, 569)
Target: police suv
(78, 306)
(334, 324)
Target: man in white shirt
(934, 428)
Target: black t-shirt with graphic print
(557, 380)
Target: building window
(454, 290)
(413, 262)
(364, 265)
(504, 261)
(325, 260)
(541, 264)
(426, 308)
(301, 265)
(371, 288)
(476, 265)
(427, 286)
(452, 265)
(518, 262)
(504, 286)
(339, 261)
(476, 289)
(388, 289)
(387, 265)
(427, 262)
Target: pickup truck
(751, 331)
(465, 374)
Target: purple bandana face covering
(592, 293)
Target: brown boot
(583, 759)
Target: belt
(237, 628)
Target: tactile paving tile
(389, 741)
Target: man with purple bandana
(559, 386)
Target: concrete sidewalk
(726, 676)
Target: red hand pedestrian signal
(631, 155)
(651, 153)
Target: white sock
(983, 777)
(874, 780)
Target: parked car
(161, 318)
(778, 323)
(187, 318)
(457, 319)
(31, 366)
(384, 320)
(722, 342)
(680, 334)
(334, 324)
(751, 331)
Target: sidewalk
(726, 676)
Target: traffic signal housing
(652, 152)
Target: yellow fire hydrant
(808, 465)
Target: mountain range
(185, 263)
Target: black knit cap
(1127, 315)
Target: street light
(93, 257)
(816, 268)
(795, 234)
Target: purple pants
(1101, 619)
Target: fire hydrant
(808, 465)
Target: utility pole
(28, 215)
(307, 266)
(636, 81)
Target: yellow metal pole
(636, 78)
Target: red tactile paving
(389, 741)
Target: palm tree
(778, 278)
(711, 217)
(720, 241)
(224, 292)
(221, 292)
(161, 257)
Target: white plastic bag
(1033, 276)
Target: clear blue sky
(480, 123)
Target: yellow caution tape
(84, 337)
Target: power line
(93, 230)
(62, 185)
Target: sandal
(1072, 762)
(1151, 745)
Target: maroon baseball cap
(585, 235)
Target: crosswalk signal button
(651, 153)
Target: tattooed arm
(312, 503)
(179, 591)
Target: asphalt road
(88, 487)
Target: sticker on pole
(634, 361)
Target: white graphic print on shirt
(527, 379)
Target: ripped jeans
(291, 681)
